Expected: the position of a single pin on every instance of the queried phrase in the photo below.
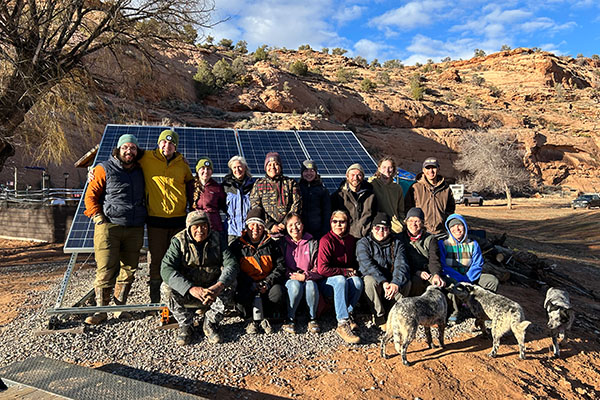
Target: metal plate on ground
(77, 382)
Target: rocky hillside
(550, 102)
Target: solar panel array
(333, 152)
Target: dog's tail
(521, 326)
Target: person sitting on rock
(261, 275)
(197, 267)
(462, 260)
(382, 263)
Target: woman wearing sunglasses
(336, 261)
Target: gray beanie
(196, 217)
(127, 138)
(415, 212)
(355, 166)
(454, 221)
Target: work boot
(343, 330)
(211, 331)
(252, 328)
(313, 326)
(155, 291)
(185, 335)
(120, 299)
(289, 326)
(102, 299)
(266, 326)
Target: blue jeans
(345, 293)
(296, 290)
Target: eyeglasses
(379, 228)
(338, 221)
(431, 167)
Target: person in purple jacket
(462, 260)
(300, 252)
(208, 195)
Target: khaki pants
(375, 295)
(159, 240)
(117, 253)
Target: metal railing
(50, 196)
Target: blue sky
(413, 31)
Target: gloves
(99, 219)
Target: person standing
(168, 180)
(432, 194)
(197, 267)
(390, 198)
(114, 200)
(208, 195)
(356, 197)
(316, 203)
(237, 186)
(276, 194)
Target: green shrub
(304, 47)
(223, 73)
(417, 89)
(204, 80)
(478, 80)
(227, 43)
(344, 75)
(375, 63)
(393, 64)
(367, 85)
(190, 34)
(238, 67)
(298, 68)
(261, 54)
(505, 47)
(478, 53)
(338, 51)
(325, 50)
(209, 40)
(494, 91)
(595, 57)
(360, 61)
(241, 47)
(446, 59)
(383, 78)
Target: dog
(560, 316)
(504, 313)
(408, 313)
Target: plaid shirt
(278, 197)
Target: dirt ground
(546, 226)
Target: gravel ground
(136, 349)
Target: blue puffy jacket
(238, 202)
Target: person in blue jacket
(462, 260)
(237, 186)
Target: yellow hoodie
(165, 184)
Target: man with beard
(114, 200)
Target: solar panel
(334, 152)
(256, 144)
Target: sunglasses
(379, 228)
(338, 221)
(431, 167)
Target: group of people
(281, 241)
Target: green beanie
(169, 135)
(204, 162)
(127, 138)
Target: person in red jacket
(208, 195)
(336, 261)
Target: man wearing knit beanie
(114, 200)
(277, 194)
(197, 267)
(422, 253)
(356, 196)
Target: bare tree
(44, 41)
(494, 162)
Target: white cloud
(412, 15)
(371, 50)
(545, 23)
(348, 14)
(424, 48)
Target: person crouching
(197, 267)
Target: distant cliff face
(551, 103)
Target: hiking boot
(120, 298)
(102, 299)
(289, 327)
(266, 326)
(185, 335)
(344, 331)
(313, 326)
(211, 331)
(252, 328)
